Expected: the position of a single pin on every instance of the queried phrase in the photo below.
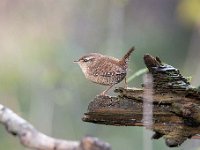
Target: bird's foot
(126, 86)
(102, 93)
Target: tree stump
(176, 105)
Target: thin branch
(31, 138)
(197, 137)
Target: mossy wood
(176, 105)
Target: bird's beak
(76, 61)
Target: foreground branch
(176, 105)
(34, 139)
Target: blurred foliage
(189, 11)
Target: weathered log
(176, 105)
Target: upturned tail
(126, 56)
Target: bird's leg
(126, 84)
(104, 92)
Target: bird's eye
(88, 59)
(85, 60)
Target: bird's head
(88, 60)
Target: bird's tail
(126, 56)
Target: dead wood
(176, 105)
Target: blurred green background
(39, 39)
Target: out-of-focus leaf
(189, 11)
(138, 73)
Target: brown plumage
(104, 70)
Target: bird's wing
(107, 69)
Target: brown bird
(105, 70)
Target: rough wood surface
(31, 138)
(176, 105)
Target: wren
(105, 70)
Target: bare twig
(31, 138)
